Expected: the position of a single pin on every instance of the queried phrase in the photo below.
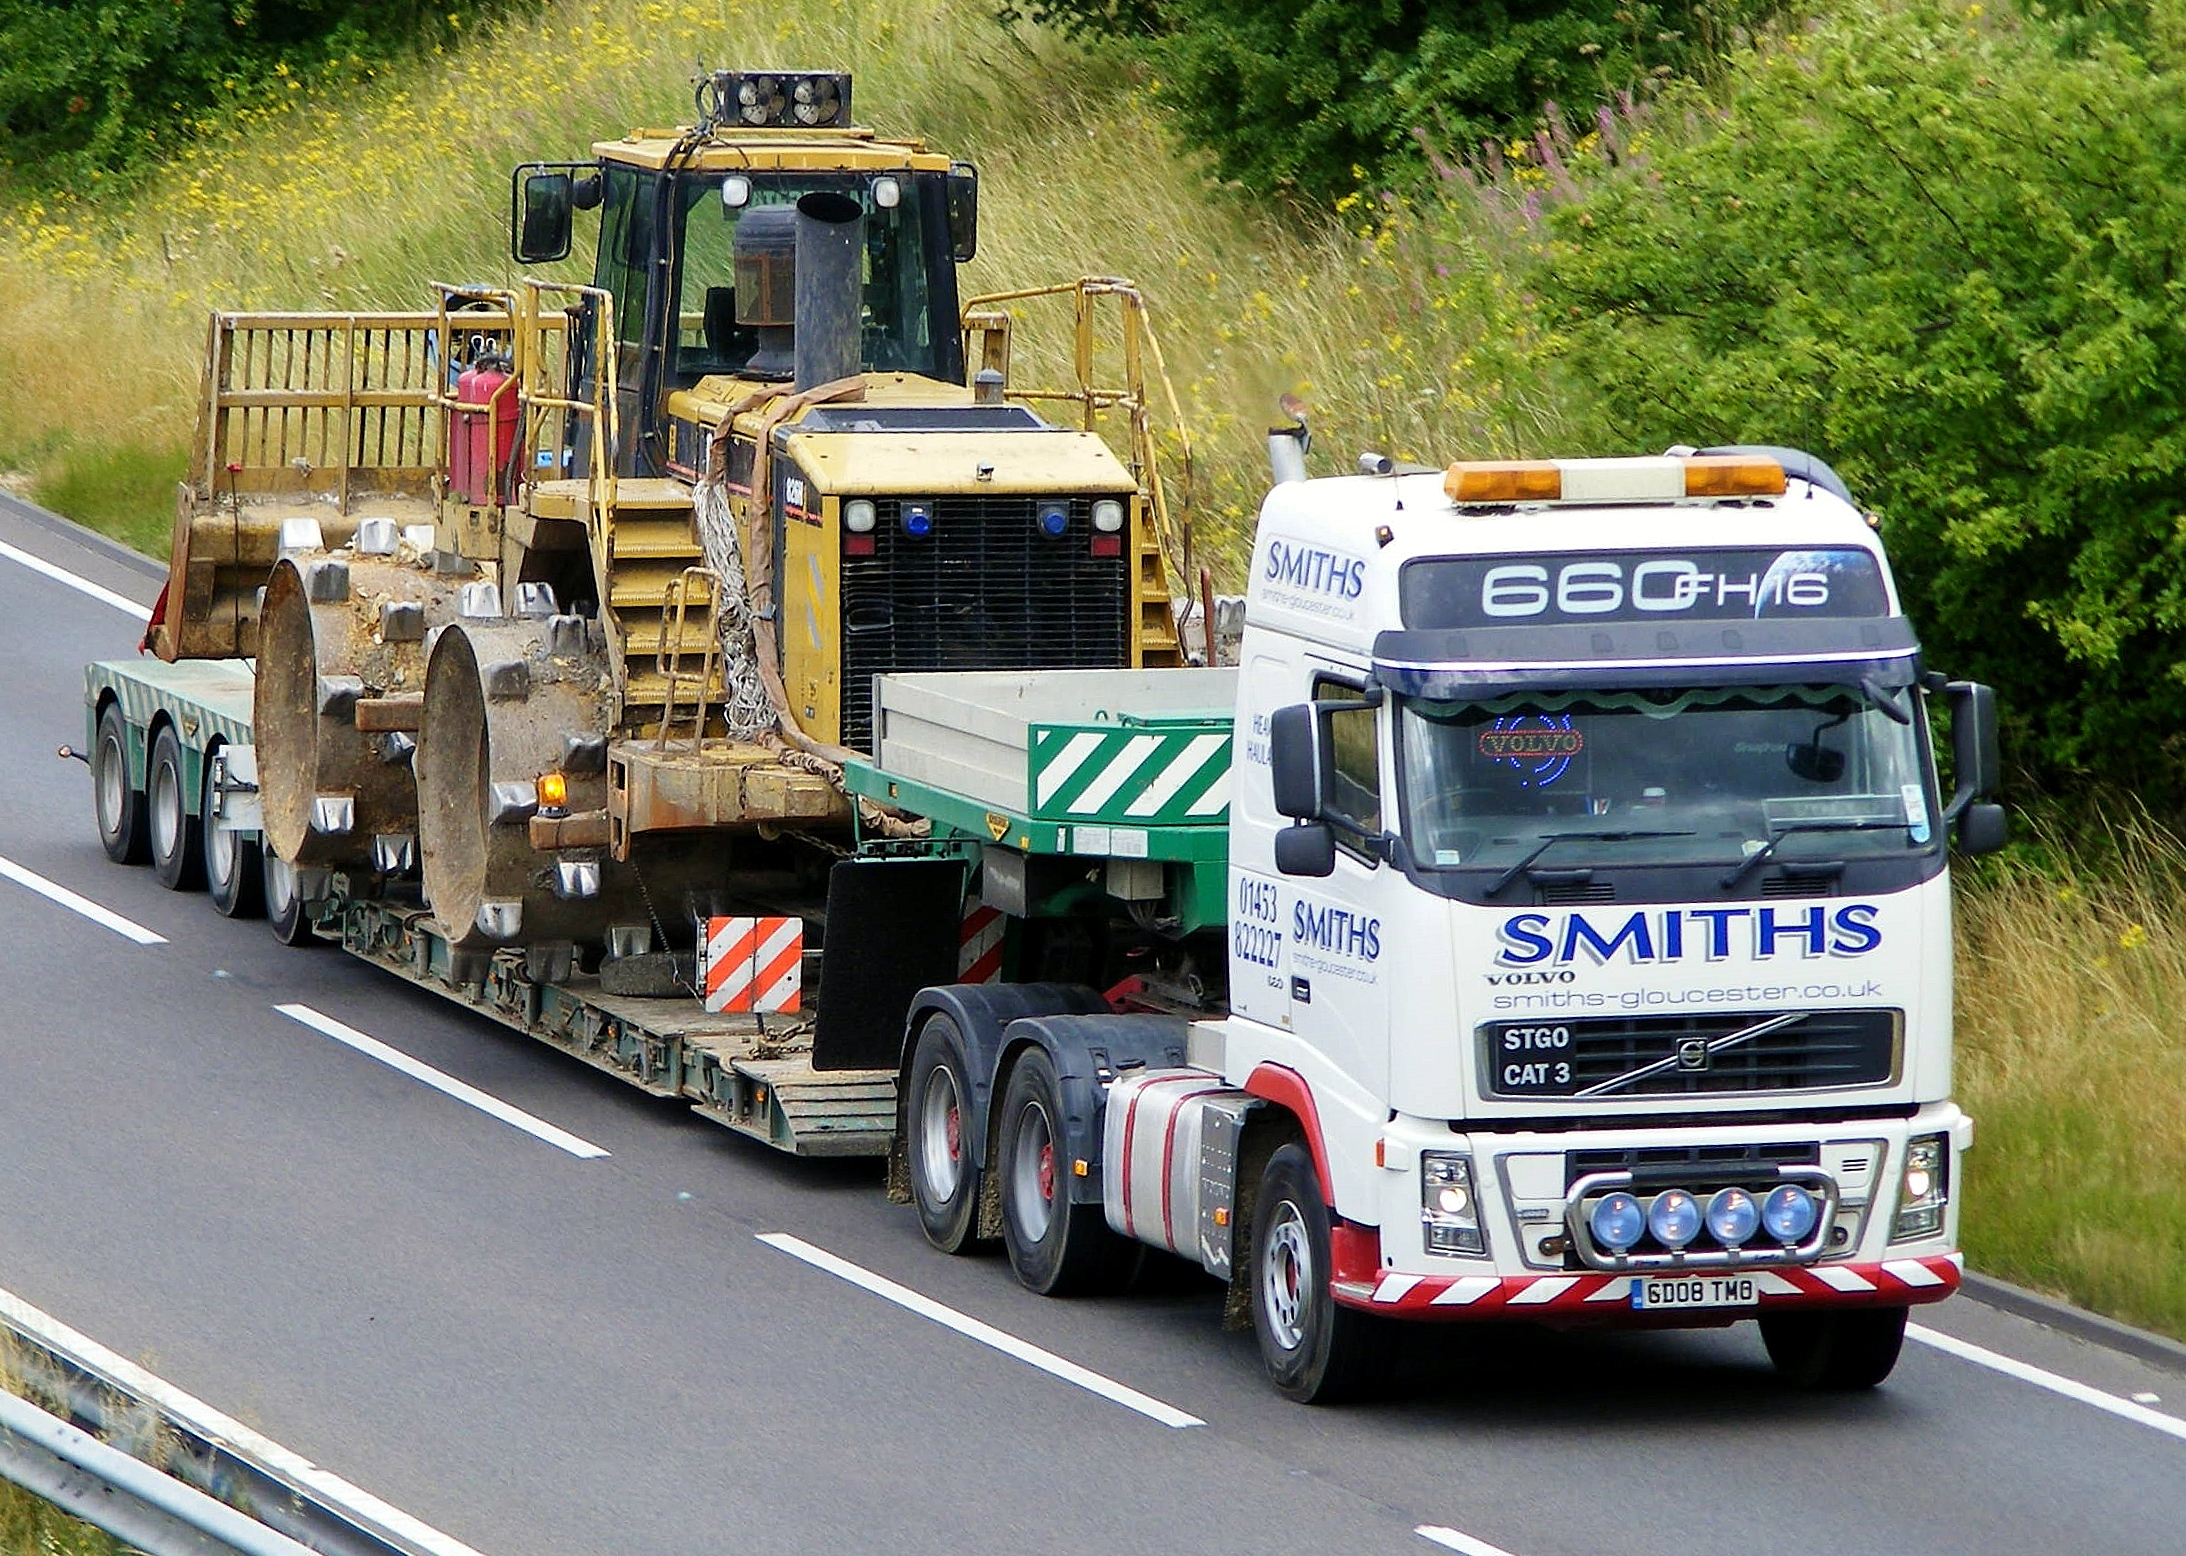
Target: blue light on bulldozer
(918, 519)
(1054, 519)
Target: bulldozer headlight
(1054, 519)
(858, 515)
(736, 191)
(1108, 515)
(887, 193)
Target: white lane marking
(205, 1421)
(986, 1334)
(2041, 1378)
(418, 1069)
(1453, 1540)
(81, 585)
(54, 891)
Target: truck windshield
(899, 332)
(1665, 778)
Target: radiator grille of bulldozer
(985, 590)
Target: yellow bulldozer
(567, 599)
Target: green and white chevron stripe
(1175, 775)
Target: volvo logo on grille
(1692, 1053)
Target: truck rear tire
(1836, 1352)
(1318, 1352)
(117, 804)
(286, 913)
(170, 815)
(938, 1146)
(1058, 1248)
(235, 877)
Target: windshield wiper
(1550, 839)
(1760, 856)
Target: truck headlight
(859, 515)
(1108, 515)
(1447, 1206)
(1923, 1189)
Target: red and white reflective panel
(1908, 1281)
(979, 944)
(749, 964)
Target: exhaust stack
(830, 288)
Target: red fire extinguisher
(493, 430)
(462, 457)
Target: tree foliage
(1947, 252)
(1313, 95)
(98, 84)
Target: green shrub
(89, 86)
(1947, 252)
(1314, 95)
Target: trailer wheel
(285, 910)
(938, 1138)
(176, 859)
(234, 874)
(117, 804)
(1317, 1350)
(1838, 1352)
(1057, 1247)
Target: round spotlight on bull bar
(1733, 1216)
(1616, 1221)
(1789, 1213)
(1674, 1218)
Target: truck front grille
(986, 590)
(1816, 1050)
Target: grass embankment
(30, 1526)
(2070, 973)
(2072, 1059)
(359, 203)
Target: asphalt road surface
(571, 1340)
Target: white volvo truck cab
(1590, 923)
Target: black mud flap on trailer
(893, 927)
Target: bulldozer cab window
(626, 241)
(898, 326)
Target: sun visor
(1488, 661)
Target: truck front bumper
(1572, 1299)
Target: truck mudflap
(1590, 1297)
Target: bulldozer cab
(696, 247)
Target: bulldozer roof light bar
(776, 99)
(1664, 478)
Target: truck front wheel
(1835, 1352)
(938, 1138)
(117, 803)
(1317, 1351)
(1057, 1247)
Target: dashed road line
(54, 891)
(1455, 1540)
(462, 1091)
(2041, 1377)
(986, 1334)
(75, 581)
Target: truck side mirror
(1294, 761)
(963, 188)
(543, 218)
(1306, 849)
(1974, 753)
(1982, 829)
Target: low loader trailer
(1547, 919)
